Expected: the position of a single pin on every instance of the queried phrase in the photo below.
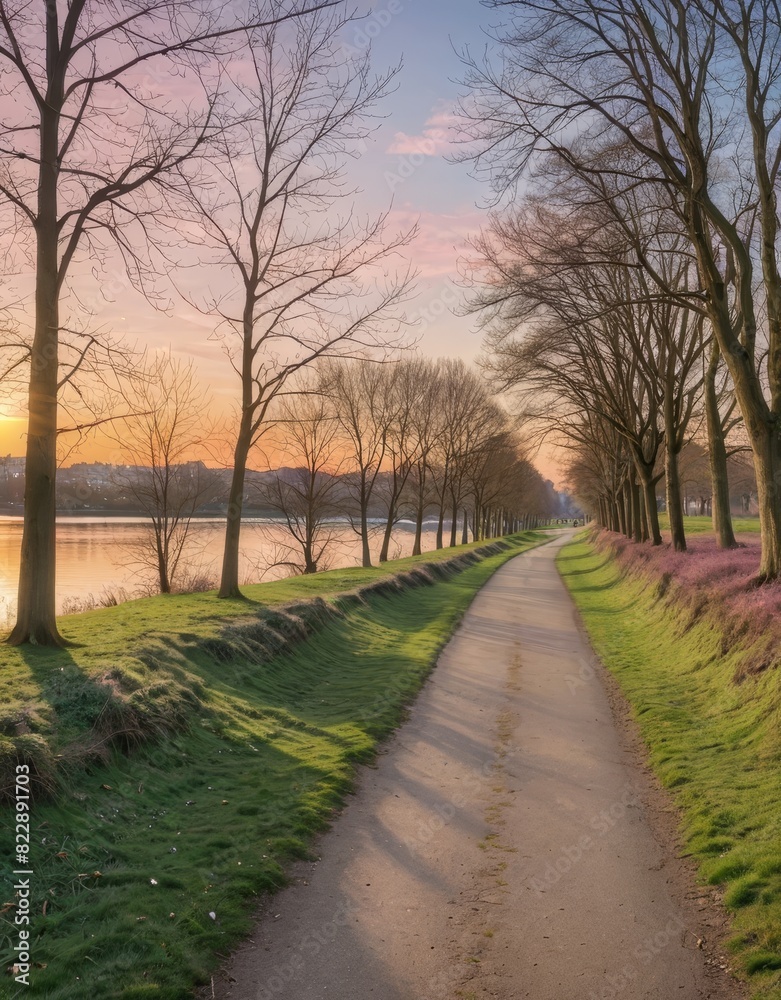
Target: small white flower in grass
(212, 914)
(153, 881)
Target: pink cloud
(436, 139)
(441, 238)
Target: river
(98, 554)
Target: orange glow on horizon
(99, 448)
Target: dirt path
(504, 846)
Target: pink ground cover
(725, 578)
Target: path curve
(500, 848)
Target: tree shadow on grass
(587, 569)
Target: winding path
(502, 847)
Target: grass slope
(715, 743)
(148, 864)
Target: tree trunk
(760, 420)
(440, 526)
(637, 532)
(643, 517)
(628, 507)
(416, 548)
(767, 463)
(366, 555)
(674, 499)
(465, 529)
(229, 582)
(36, 620)
(649, 493)
(386, 538)
(454, 526)
(717, 456)
(162, 566)
(645, 473)
(621, 504)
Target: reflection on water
(96, 554)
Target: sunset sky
(405, 168)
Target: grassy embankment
(712, 725)
(186, 748)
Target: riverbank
(696, 654)
(104, 560)
(184, 749)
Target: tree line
(189, 151)
(357, 443)
(628, 277)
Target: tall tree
(75, 166)
(427, 427)
(306, 284)
(407, 440)
(309, 493)
(694, 88)
(465, 405)
(361, 392)
(158, 444)
(570, 324)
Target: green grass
(136, 852)
(716, 744)
(109, 637)
(698, 525)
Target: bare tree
(307, 284)
(407, 384)
(694, 89)
(76, 163)
(308, 495)
(569, 322)
(465, 406)
(361, 395)
(158, 444)
(427, 426)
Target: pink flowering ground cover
(706, 580)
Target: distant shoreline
(249, 517)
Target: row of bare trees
(411, 439)
(180, 148)
(357, 444)
(629, 276)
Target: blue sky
(422, 187)
(405, 165)
(408, 160)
